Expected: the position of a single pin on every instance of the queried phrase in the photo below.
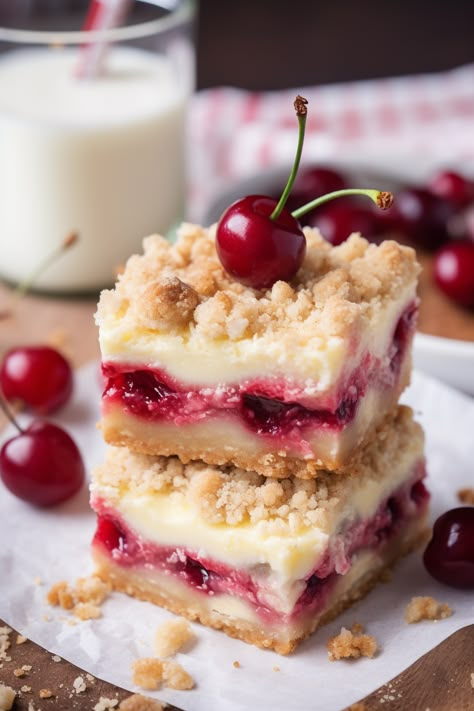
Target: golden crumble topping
(347, 645)
(183, 286)
(426, 608)
(171, 636)
(234, 496)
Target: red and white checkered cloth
(404, 126)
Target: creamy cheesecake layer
(219, 437)
(174, 308)
(247, 520)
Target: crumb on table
(7, 697)
(466, 496)
(348, 645)
(171, 636)
(426, 608)
(104, 704)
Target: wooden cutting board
(439, 681)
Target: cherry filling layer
(210, 577)
(269, 407)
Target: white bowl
(448, 359)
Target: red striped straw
(102, 15)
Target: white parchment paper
(54, 544)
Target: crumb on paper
(347, 645)
(426, 608)
(79, 685)
(7, 697)
(104, 704)
(56, 658)
(466, 496)
(83, 599)
(147, 673)
(137, 702)
(236, 664)
(176, 677)
(276, 669)
(357, 628)
(171, 636)
(46, 693)
(37, 581)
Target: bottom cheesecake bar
(267, 561)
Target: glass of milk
(104, 156)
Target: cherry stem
(382, 199)
(300, 104)
(9, 414)
(26, 285)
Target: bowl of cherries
(436, 218)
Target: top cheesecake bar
(284, 381)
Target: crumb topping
(171, 636)
(234, 496)
(348, 645)
(183, 287)
(426, 608)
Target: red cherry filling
(38, 376)
(42, 465)
(255, 250)
(449, 556)
(454, 272)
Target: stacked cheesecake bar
(262, 474)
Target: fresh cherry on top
(37, 376)
(453, 271)
(259, 241)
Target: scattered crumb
(358, 706)
(87, 611)
(19, 673)
(176, 677)
(45, 693)
(55, 658)
(137, 702)
(236, 665)
(7, 696)
(104, 704)
(31, 706)
(90, 678)
(38, 581)
(348, 645)
(472, 679)
(83, 599)
(79, 685)
(171, 636)
(357, 628)
(27, 667)
(466, 496)
(21, 639)
(426, 608)
(4, 642)
(26, 689)
(276, 669)
(147, 673)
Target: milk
(103, 157)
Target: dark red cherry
(454, 272)
(38, 376)
(256, 250)
(311, 183)
(452, 187)
(421, 217)
(337, 220)
(42, 465)
(449, 556)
